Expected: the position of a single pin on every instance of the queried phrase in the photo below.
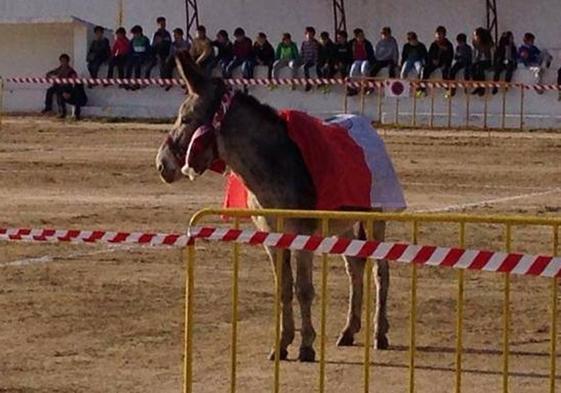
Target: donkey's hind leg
(305, 294)
(355, 271)
(287, 283)
(382, 278)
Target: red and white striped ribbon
(521, 264)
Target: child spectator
(413, 56)
(286, 56)
(343, 54)
(463, 58)
(62, 71)
(76, 96)
(505, 58)
(326, 56)
(533, 58)
(386, 53)
(179, 43)
(140, 48)
(243, 55)
(99, 52)
(309, 53)
(363, 54)
(482, 56)
(161, 46)
(441, 55)
(201, 51)
(225, 51)
(264, 53)
(119, 53)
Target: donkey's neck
(254, 142)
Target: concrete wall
(39, 44)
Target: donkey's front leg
(287, 284)
(382, 278)
(305, 294)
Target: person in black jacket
(264, 53)
(99, 52)
(413, 56)
(73, 95)
(225, 51)
(343, 54)
(483, 47)
(441, 55)
(326, 59)
(161, 46)
(505, 58)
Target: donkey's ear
(189, 72)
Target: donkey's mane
(266, 112)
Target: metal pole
(323, 330)
(367, 300)
(189, 288)
(1, 101)
(450, 106)
(503, 120)
(413, 316)
(460, 315)
(554, 283)
(467, 94)
(414, 117)
(485, 109)
(362, 96)
(397, 111)
(506, 314)
(121, 13)
(278, 294)
(380, 105)
(235, 274)
(431, 121)
(522, 88)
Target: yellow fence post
(413, 316)
(460, 315)
(235, 276)
(323, 331)
(189, 288)
(367, 300)
(278, 294)
(506, 313)
(554, 282)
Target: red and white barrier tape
(520, 264)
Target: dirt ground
(99, 319)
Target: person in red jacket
(243, 55)
(119, 53)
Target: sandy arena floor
(98, 319)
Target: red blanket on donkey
(336, 164)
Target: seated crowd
(357, 57)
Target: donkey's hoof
(345, 340)
(283, 354)
(381, 343)
(307, 354)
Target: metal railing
(415, 220)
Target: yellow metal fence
(415, 221)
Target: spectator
(309, 53)
(76, 96)
(119, 53)
(343, 54)
(243, 55)
(140, 48)
(529, 54)
(99, 52)
(505, 58)
(482, 56)
(201, 51)
(463, 58)
(179, 43)
(363, 54)
(225, 51)
(413, 56)
(533, 58)
(441, 55)
(286, 56)
(264, 53)
(161, 46)
(64, 70)
(386, 53)
(326, 56)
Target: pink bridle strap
(220, 113)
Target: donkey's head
(193, 123)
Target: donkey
(253, 141)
